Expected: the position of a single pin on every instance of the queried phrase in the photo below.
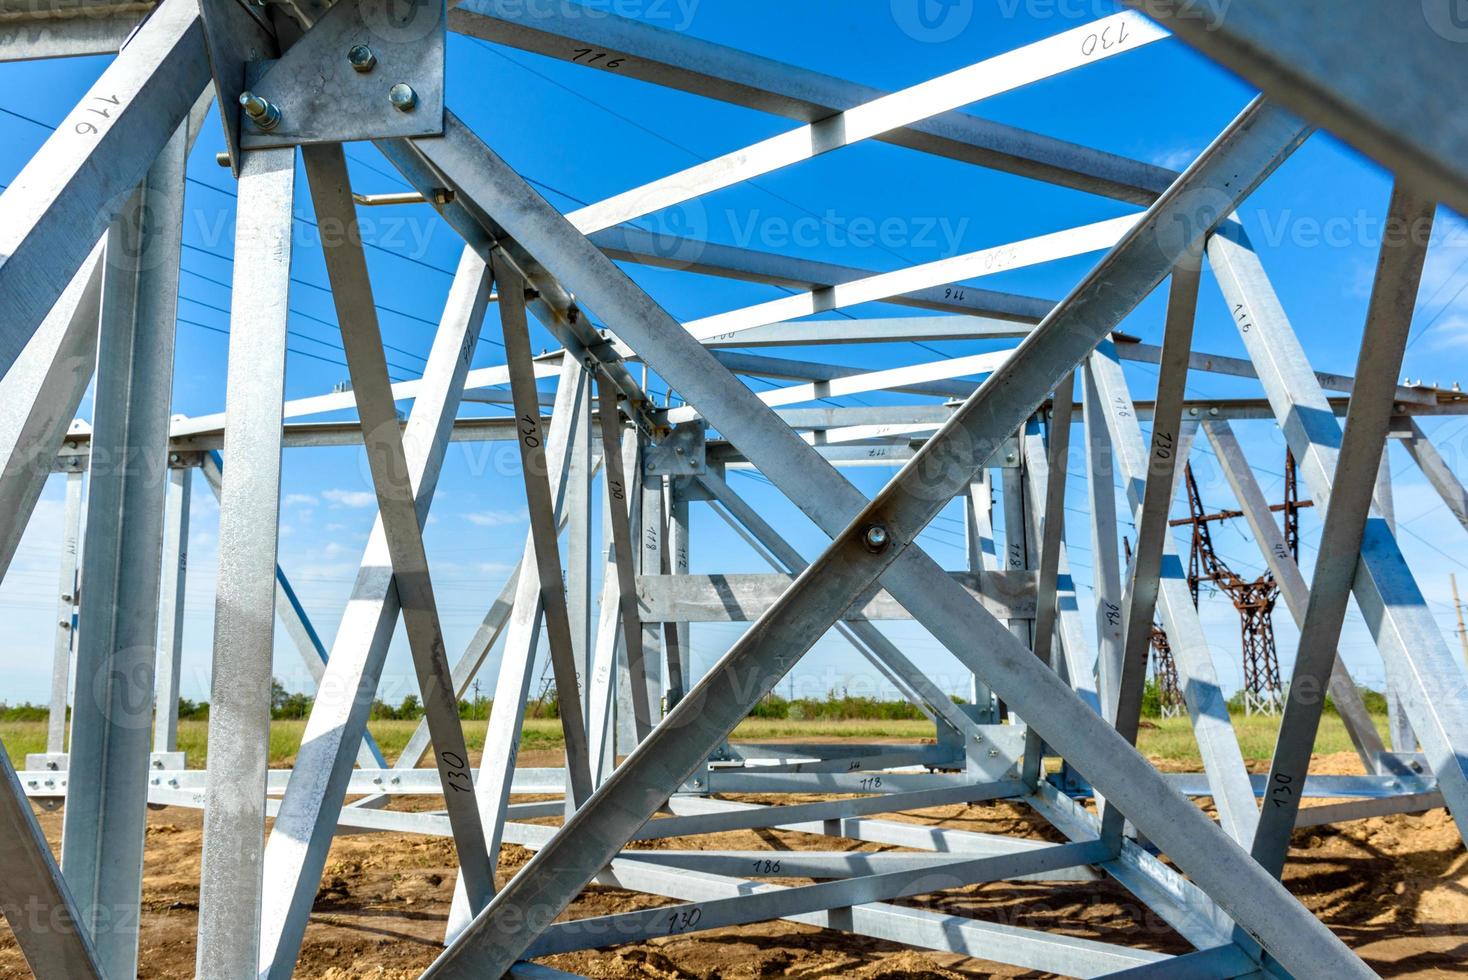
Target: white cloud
(299, 500)
(495, 518)
(350, 498)
(1175, 158)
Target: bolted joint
(876, 538)
(362, 58)
(265, 115)
(402, 97)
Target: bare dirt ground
(1395, 889)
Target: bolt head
(876, 537)
(402, 97)
(361, 58)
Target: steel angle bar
(675, 557)
(1129, 349)
(1230, 169)
(1152, 511)
(230, 881)
(336, 728)
(65, 639)
(1442, 478)
(543, 523)
(773, 902)
(292, 615)
(39, 397)
(51, 930)
(494, 781)
(647, 500)
(875, 330)
(623, 494)
(579, 547)
(856, 382)
(1057, 617)
(1360, 456)
(821, 864)
(683, 61)
(398, 510)
(1003, 73)
(1410, 641)
(996, 942)
(1266, 532)
(106, 811)
(983, 262)
(777, 816)
(469, 663)
(1208, 708)
(1333, 813)
(612, 626)
(1297, 53)
(171, 608)
(626, 244)
(63, 200)
(1106, 565)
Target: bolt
(361, 58)
(978, 737)
(402, 97)
(876, 538)
(680, 450)
(173, 783)
(1213, 411)
(222, 159)
(1009, 457)
(698, 782)
(993, 753)
(1193, 411)
(265, 115)
(650, 466)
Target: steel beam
(230, 882)
(1388, 322)
(79, 180)
(171, 609)
(112, 714)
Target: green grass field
(1171, 740)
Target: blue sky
(581, 135)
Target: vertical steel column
(171, 608)
(649, 494)
(578, 552)
(675, 681)
(64, 643)
(230, 874)
(106, 805)
(978, 526)
(678, 565)
(1105, 560)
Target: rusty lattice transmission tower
(1253, 598)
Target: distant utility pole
(1458, 608)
